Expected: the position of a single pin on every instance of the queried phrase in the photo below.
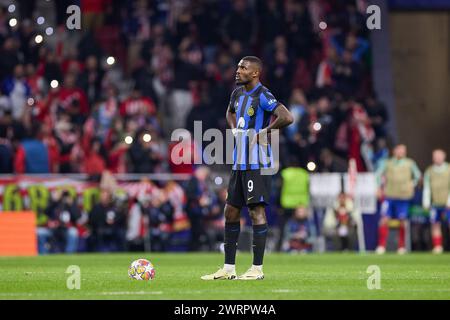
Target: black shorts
(248, 187)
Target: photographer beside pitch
(250, 109)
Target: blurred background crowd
(108, 96)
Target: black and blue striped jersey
(253, 110)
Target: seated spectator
(60, 232)
(215, 221)
(343, 212)
(161, 215)
(107, 223)
(6, 152)
(298, 232)
(200, 200)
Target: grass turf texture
(315, 276)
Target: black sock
(259, 243)
(232, 230)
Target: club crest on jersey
(251, 111)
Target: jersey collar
(253, 90)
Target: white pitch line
(119, 293)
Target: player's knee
(257, 214)
(384, 221)
(232, 214)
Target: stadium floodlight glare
(317, 126)
(11, 8)
(128, 140)
(40, 20)
(311, 166)
(323, 25)
(110, 60)
(49, 31)
(147, 137)
(38, 38)
(12, 22)
(30, 101)
(54, 84)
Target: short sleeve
(268, 101)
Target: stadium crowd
(108, 96)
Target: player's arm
(231, 111)
(283, 118)
(231, 118)
(416, 173)
(426, 196)
(448, 199)
(379, 174)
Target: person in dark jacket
(60, 230)
(107, 222)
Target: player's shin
(232, 230)
(402, 235)
(259, 244)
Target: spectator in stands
(343, 210)
(356, 46)
(378, 115)
(240, 18)
(161, 216)
(18, 91)
(144, 153)
(10, 57)
(346, 74)
(32, 155)
(93, 12)
(90, 79)
(107, 223)
(200, 200)
(60, 232)
(381, 153)
(6, 152)
(329, 162)
(94, 162)
(73, 100)
(298, 232)
(215, 221)
(397, 178)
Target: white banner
(325, 187)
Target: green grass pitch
(288, 277)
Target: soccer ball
(141, 269)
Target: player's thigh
(435, 214)
(235, 193)
(402, 209)
(256, 187)
(387, 208)
(447, 215)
